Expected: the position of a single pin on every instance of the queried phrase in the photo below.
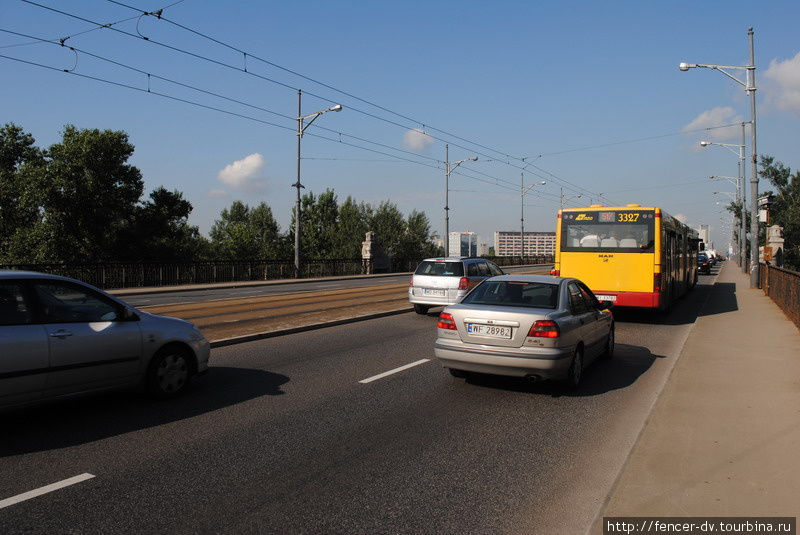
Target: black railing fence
(138, 275)
(783, 287)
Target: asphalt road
(210, 294)
(281, 437)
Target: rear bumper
(543, 363)
(449, 299)
(633, 299)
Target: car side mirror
(606, 305)
(129, 315)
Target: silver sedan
(527, 326)
(60, 337)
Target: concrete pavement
(723, 437)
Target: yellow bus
(632, 255)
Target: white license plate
(436, 293)
(490, 331)
(606, 297)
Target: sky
(585, 96)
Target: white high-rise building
(463, 244)
(508, 243)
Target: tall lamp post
(522, 191)
(301, 128)
(740, 196)
(742, 241)
(566, 198)
(750, 87)
(449, 167)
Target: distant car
(60, 337)
(526, 326)
(445, 281)
(703, 264)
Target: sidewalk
(724, 436)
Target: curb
(281, 332)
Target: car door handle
(61, 334)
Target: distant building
(463, 244)
(704, 235)
(507, 243)
(483, 249)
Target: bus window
(627, 232)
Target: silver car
(60, 337)
(444, 281)
(527, 326)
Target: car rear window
(440, 269)
(514, 294)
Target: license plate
(437, 293)
(606, 297)
(489, 331)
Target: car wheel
(609, 351)
(575, 369)
(421, 309)
(457, 373)
(169, 372)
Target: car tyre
(457, 373)
(575, 369)
(608, 354)
(421, 309)
(169, 372)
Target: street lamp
(566, 198)
(741, 190)
(750, 87)
(522, 191)
(301, 128)
(449, 167)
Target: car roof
(453, 259)
(14, 274)
(546, 279)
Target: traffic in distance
(61, 337)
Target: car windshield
(514, 294)
(440, 268)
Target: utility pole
(522, 214)
(298, 185)
(743, 209)
(751, 88)
(447, 201)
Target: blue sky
(521, 79)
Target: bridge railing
(139, 275)
(783, 287)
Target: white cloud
(216, 193)
(245, 174)
(716, 117)
(783, 83)
(417, 140)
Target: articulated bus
(632, 255)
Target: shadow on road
(629, 363)
(79, 421)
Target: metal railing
(119, 275)
(783, 287)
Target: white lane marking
(390, 372)
(44, 490)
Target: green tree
(389, 226)
(160, 231)
(785, 209)
(84, 194)
(351, 228)
(244, 233)
(416, 240)
(19, 158)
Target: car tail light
(555, 272)
(411, 282)
(544, 329)
(463, 284)
(657, 282)
(446, 321)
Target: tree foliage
(245, 233)
(785, 209)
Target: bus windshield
(618, 231)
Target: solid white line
(390, 372)
(44, 490)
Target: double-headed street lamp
(522, 191)
(301, 128)
(750, 87)
(449, 167)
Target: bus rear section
(614, 251)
